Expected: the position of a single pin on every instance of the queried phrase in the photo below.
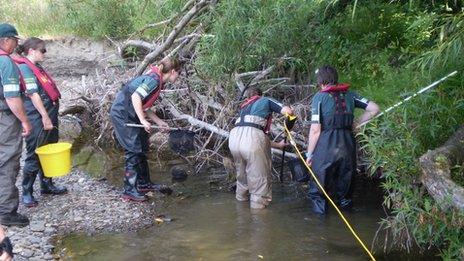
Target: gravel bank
(90, 206)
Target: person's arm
(316, 125)
(164, 126)
(145, 86)
(32, 91)
(371, 110)
(137, 103)
(279, 145)
(38, 104)
(16, 106)
(314, 133)
(12, 93)
(286, 110)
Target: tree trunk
(436, 174)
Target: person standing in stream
(132, 105)
(331, 146)
(42, 105)
(251, 148)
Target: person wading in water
(332, 146)
(251, 148)
(132, 105)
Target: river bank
(91, 206)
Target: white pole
(410, 97)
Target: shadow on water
(209, 224)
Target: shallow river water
(209, 224)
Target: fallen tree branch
(171, 37)
(436, 174)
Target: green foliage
(457, 174)
(250, 35)
(32, 17)
(386, 49)
(89, 18)
(96, 18)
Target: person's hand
(164, 127)
(4, 256)
(281, 144)
(26, 128)
(309, 162)
(47, 123)
(309, 158)
(2, 233)
(146, 125)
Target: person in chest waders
(251, 148)
(13, 122)
(132, 105)
(42, 107)
(332, 146)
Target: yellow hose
(292, 141)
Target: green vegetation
(457, 174)
(386, 49)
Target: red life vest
(154, 71)
(22, 83)
(334, 91)
(252, 100)
(341, 87)
(43, 77)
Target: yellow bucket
(55, 159)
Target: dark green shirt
(264, 107)
(9, 78)
(323, 105)
(32, 84)
(143, 85)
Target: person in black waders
(251, 148)
(332, 146)
(132, 105)
(41, 106)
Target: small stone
(38, 226)
(27, 253)
(49, 230)
(34, 240)
(78, 219)
(49, 257)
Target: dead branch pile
(191, 102)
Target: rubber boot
(130, 188)
(28, 189)
(345, 204)
(318, 205)
(14, 219)
(47, 186)
(144, 184)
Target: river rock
(38, 226)
(70, 128)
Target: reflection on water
(212, 225)
(209, 224)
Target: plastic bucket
(55, 159)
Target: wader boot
(47, 186)
(144, 183)
(14, 219)
(130, 188)
(28, 189)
